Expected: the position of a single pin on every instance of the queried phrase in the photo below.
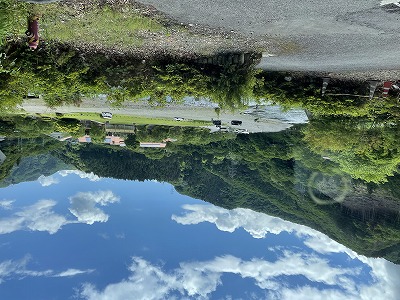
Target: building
(115, 140)
(60, 136)
(85, 139)
(152, 145)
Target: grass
(125, 119)
(13, 18)
(101, 25)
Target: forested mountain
(275, 173)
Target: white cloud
(83, 206)
(145, 282)
(91, 176)
(8, 225)
(73, 272)
(6, 204)
(200, 279)
(37, 217)
(265, 273)
(18, 269)
(47, 180)
(385, 274)
(257, 224)
(40, 216)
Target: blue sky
(75, 235)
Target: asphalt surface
(250, 122)
(329, 35)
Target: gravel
(330, 35)
(346, 38)
(179, 40)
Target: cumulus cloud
(200, 279)
(18, 269)
(385, 274)
(83, 206)
(145, 282)
(41, 216)
(47, 180)
(37, 217)
(91, 176)
(257, 224)
(6, 204)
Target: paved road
(263, 124)
(328, 35)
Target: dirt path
(184, 111)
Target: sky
(73, 235)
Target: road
(329, 35)
(262, 124)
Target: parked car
(217, 122)
(106, 115)
(224, 129)
(33, 32)
(236, 122)
(178, 119)
(241, 131)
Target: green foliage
(63, 76)
(13, 18)
(49, 73)
(25, 127)
(70, 126)
(363, 149)
(131, 141)
(102, 24)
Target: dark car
(33, 32)
(216, 122)
(236, 122)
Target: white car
(178, 119)
(106, 115)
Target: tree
(363, 149)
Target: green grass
(125, 119)
(13, 18)
(97, 25)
